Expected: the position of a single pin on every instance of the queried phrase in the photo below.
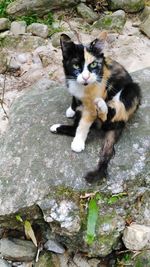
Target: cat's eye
(93, 64)
(76, 66)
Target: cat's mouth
(85, 84)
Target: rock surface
(4, 263)
(145, 26)
(41, 7)
(3, 61)
(39, 167)
(113, 22)
(127, 5)
(145, 13)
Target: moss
(61, 192)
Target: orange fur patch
(89, 58)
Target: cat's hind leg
(106, 153)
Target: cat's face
(82, 64)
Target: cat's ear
(98, 44)
(66, 44)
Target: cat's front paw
(54, 127)
(77, 144)
(101, 105)
(70, 112)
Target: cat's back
(117, 73)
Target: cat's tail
(106, 153)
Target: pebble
(17, 250)
(54, 246)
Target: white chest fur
(76, 89)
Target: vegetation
(92, 220)
(33, 18)
(3, 6)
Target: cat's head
(83, 63)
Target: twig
(3, 92)
(75, 32)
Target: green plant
(91, 220)
(33, 18)
(29, 19)
(114, 198)
(3, 6)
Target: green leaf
(114, 198)
(91, 221)
(18, 218)
(29, 232)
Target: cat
(103, 90)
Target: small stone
(113, 22)
(17, 250)
(136, 237)
(54, 246)
(4, 263)
(18, 27)
(38, 29)
(87, 13)
(4, 24)
(145, 26)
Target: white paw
(77, 144)
(101, 105)
(70, 113)
(54, 127)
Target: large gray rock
(113, 22)
(130, 6)
(38, 167)
(87, 13)
(41, 7)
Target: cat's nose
(85, 75)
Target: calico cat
(102, 89)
